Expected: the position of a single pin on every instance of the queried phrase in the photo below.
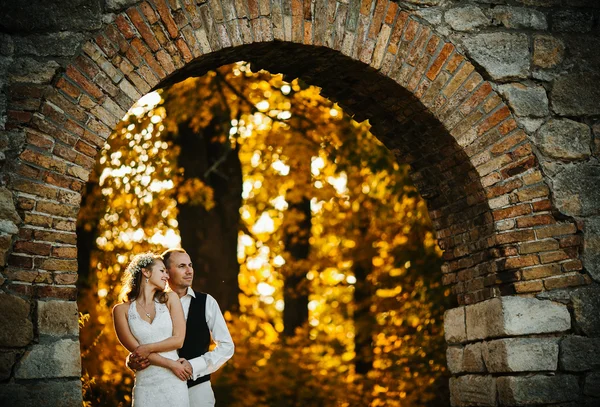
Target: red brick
(28, 276)
(516, 236)
(391, 13)
(570, 241)
(39, 140)
(493, 120)
(530, 221)
(41, 249)
(86, 149)
(552, 257)
(543, 205)
(571, 280)
(68, 88)
(52, 264)
(507, 126)
(105, 45)
(555, 230)
(84, 83)
(454, 62)
(54, 237)
(538, 272)
(522, 261)
(511, 212)
(377, 19)
(113, 34)
(34, 188)
(23, 262)
(529, 286)
(504, 188)
(538, 246)
(442, 57)
(147, 34)
(67, 252)
(124, 26)
(43, 160)
(25, 203)
(58, 292)
(28, 171)
(519, 167)
(65, 278)
(165, 15)
(149, 12)
(36, 219)
(184, 49)
(56, 209)
(63, 181)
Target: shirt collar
(190, 292)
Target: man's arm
(213, 360)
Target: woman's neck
(147, 294)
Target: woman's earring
(147, 280)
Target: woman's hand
(142, 352)
(179, 370)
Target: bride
(152, 321)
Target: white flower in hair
(138, 262)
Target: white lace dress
(156, 386)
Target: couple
(152, 324)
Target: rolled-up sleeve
(213, 360)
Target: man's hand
(136, 363)
(189, 370)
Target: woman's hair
(132, 279)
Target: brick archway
(477, 170)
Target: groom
(203, 321)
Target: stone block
(592, 385)
(17, 328)
(579, 353)
(473, 390)
(57, 359)
(50, 15)
(502, 55)
(62, 43)
(521, 355)
(514, 316)
(573, 96)
(467, 18)
(548, 51)
(7, 361)
(46, 393)
(591, 256)
(58, 318)
(518, 17)
(526, 100)
(564, 139)
(586, 309)
(576, 192)
(454, 359)
(572, 21)
(473, 358)
(454, 325)
(526, 390)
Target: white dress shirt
(213, 360)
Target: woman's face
(159, 275)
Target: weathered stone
(591, 247)
(583, 52)
(586, 303)
(521, 355)
(116, 5)
(58, 318)
(548, 51)
(572, 95)
(15, 314)
(473, 390)
(579, 353)
(454, 359)
(454, 325)
(526, 100)
(57, 359)
(32, 71)
(7, 361)
(510, 316)
(525, 390)
(576, 191)
(473, 358)
(467, 18)
(502, 55)
(592, 385)
(564, 139)
(572, 21)
(54, 44)
(518, 17)
(531, 125)
(8, 212)
(49, 15)
(43, 393)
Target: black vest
(197, 334)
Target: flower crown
(139, 262)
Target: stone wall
(494, 103)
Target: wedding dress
(156, 386)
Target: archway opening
(378, 327)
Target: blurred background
(300, 223)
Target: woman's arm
(176, 340)
(121, 324)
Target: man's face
(181, 272)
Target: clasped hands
(138, 360)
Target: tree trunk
(210, 237)
(296, 289)
(364, 321)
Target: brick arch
(427, 102)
